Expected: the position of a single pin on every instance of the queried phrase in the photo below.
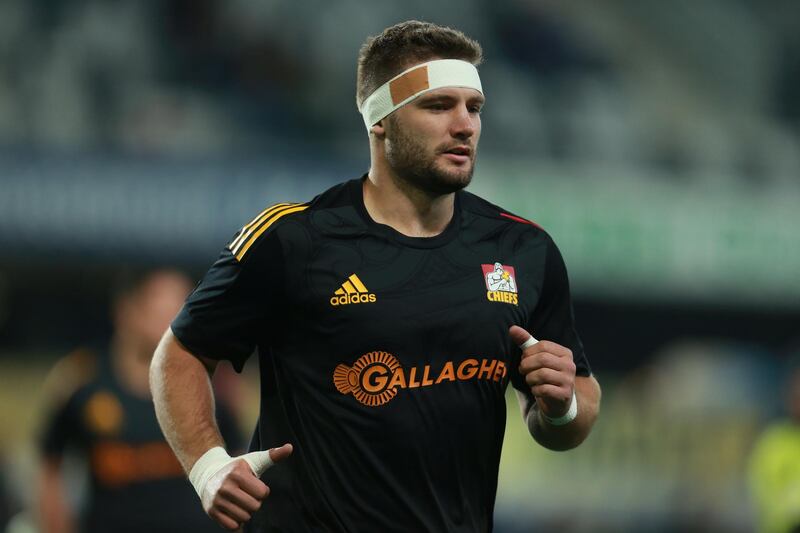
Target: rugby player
(100, 413)
(389, 315)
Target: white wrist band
(216, 458)
(572, 412)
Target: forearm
(184, 401)
(568, 436)
(55, 516)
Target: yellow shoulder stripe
(268, 220)
(248, 228)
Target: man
(775, 467)
(101, 413)
(384, 353)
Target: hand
(235, 492)
(548, 370)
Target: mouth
(458, 154)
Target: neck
(131, 367)
(392, 201)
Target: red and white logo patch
(501, 283)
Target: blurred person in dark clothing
(100, 411)
(775, 467)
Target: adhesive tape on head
(416, 81)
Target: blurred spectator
(775, 468)
(100, 408)
(5, 498)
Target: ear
(378, 130)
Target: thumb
(520, 337)
(260, 461)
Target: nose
(464, 123)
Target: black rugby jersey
(135, 482)
(384, 358)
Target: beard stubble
(413, 164)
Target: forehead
(453, 93)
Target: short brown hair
(405, 44)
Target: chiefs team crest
(501, 283)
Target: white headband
(415, 81)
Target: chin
(448, 180)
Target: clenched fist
(548, 370)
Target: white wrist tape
(415, 81)
(216, 458)
(571, 413)
(565, 419)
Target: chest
(357, 295)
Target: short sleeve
(59, 429)
(230, 310)
(553, 319)
(64, 393)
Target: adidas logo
(352, 291)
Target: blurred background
(658, 142)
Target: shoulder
(479, 207)
(497, 218)
(272, 220)
(70, 375)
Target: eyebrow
(430, 98)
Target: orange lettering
(116, 463)
(379, 383)
(486, 369)
(467, 373)
(425, 379)
(448, 373)
(499, 371)
(411, 383)
(398, 379)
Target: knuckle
(258, 491)
(237, 474)
(225, 491)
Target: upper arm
(173, 357)
(234, 305)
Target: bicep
(172, 357)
